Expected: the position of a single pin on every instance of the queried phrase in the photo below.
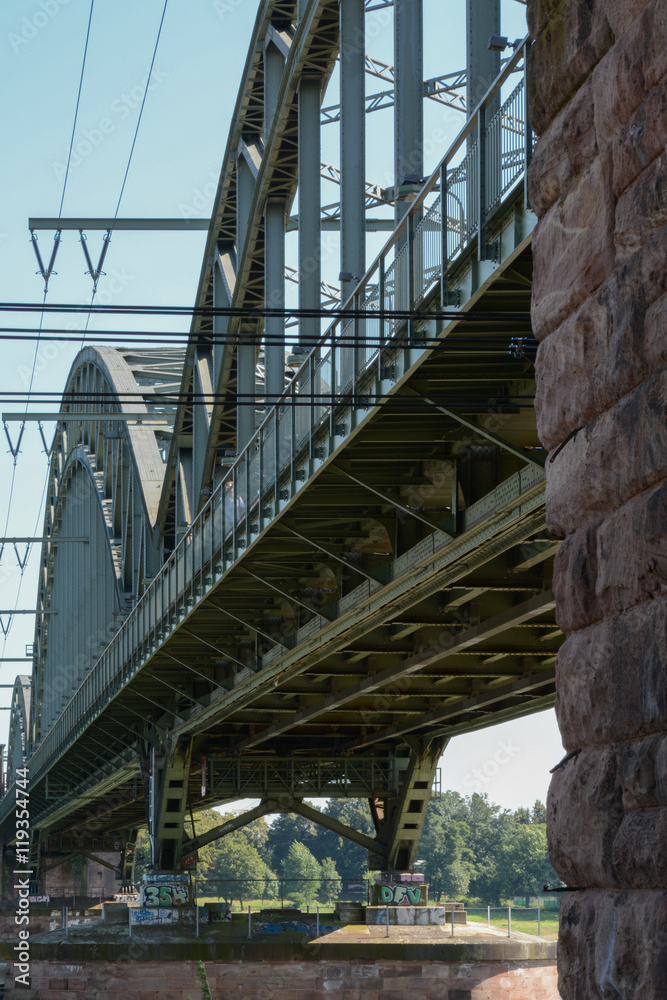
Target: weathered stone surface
(607, 567)
(614, 843)
(619, 454)
(655, 332)
(575, 39)
(611, 679)
(638, 856)
(568, 146)
(586, 787)
(613, 945)
(618, 83)
(654, 22)
(622, 13)
(538, 14)
(640, 140)
(573, 246)
(641, 209)
(606, 348)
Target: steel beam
(274, 298)
(329, 823)
(352, 144)
(483, 66)
(246, 353)
(156, 225)
(474, 704)
(409, 98)
(525, 611)
(236, 823)
(40, 538)
(87, 415)
(309, 157)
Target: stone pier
(598, 183)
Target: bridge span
(302, 576)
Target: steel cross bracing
(377, 574)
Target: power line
(76, 110)
(259, 312)
(141, 111)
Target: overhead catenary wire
(259, 312)
(76, 110)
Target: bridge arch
(104, 484)
(17, 747)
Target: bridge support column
(274, 296)
(400, 821)
(310, 266)
(599, 254)
(128, 858)
(408, 100)
(352, 143)
(168, 772)
(483, 65)
(246, 353)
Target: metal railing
(406, 271)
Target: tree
(302, 874)
(449, 860)
(285, 829)
(523, 865)
(539, 812)
(351, 859)
(331, 887)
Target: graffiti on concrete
(400, 895)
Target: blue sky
(174, 172)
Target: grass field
(523, 921)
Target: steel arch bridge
(307, 587)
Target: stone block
(571, 44)
(564, 151)
(622, 13)
(638, 856)
(618, 83)
(608, 567)
(613, 944)
(640, 140)
(573, 246)
(584, 814)
(655, 333)
(605, 349)
(654, 22)
(538, 14)
(642, 209)
(614, 457)
(619, 794)
(611, 682)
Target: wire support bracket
(95, 272)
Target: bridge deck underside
(415, 567)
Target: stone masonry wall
(598, 183)
(345, 980)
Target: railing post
(444, 275)
(247, 497)
(481, 184)
(539, 927)
(528, 132)
(410, 262)
(381, 325)
(509, 921)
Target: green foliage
(282, 833)
(330, 890)
(471, 848)
(203, 982)
(300, 865)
